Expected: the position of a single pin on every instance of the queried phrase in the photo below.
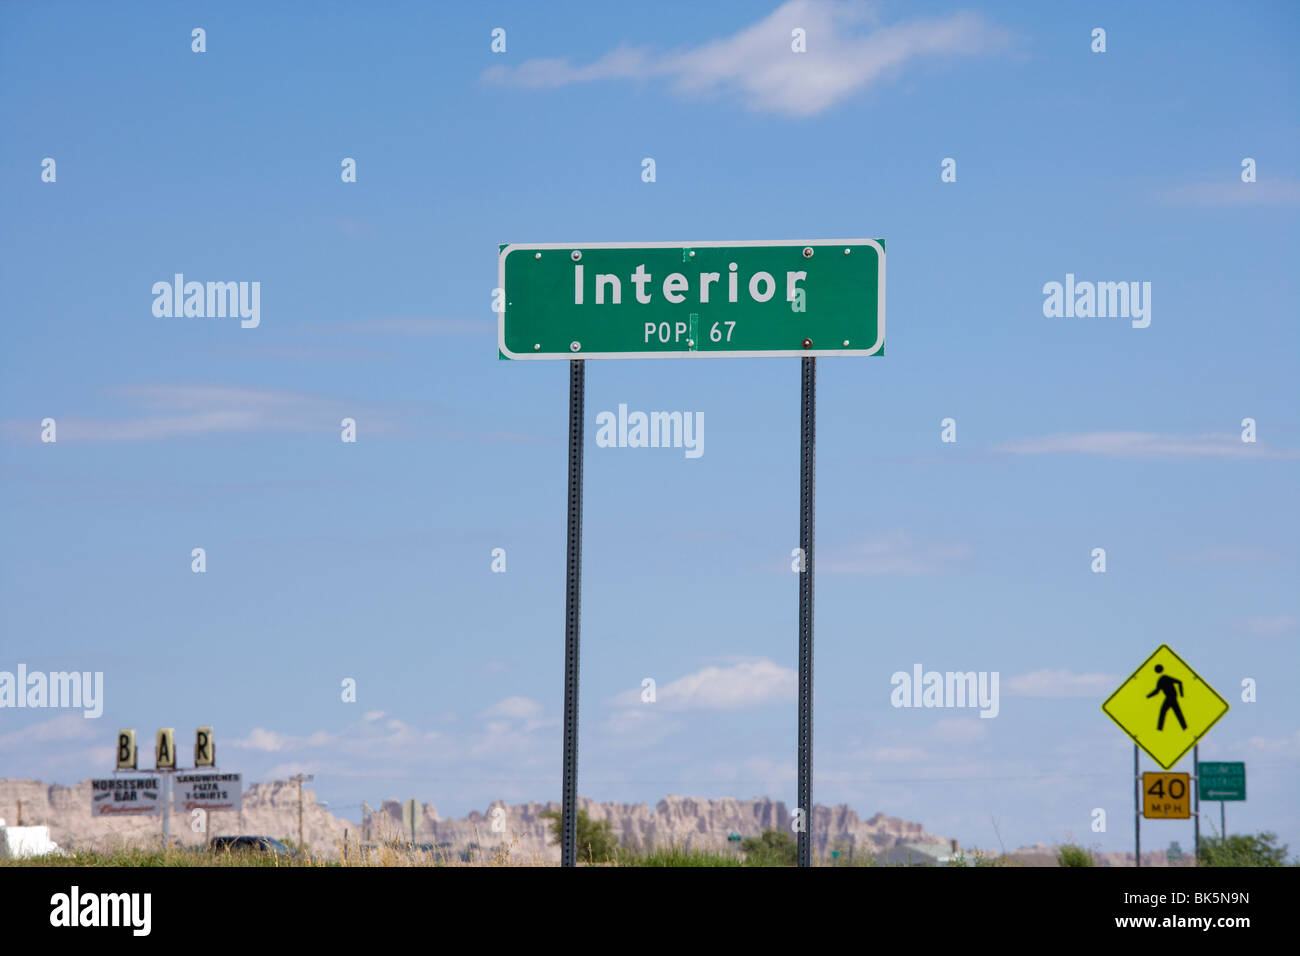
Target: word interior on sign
(676, 286)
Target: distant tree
(1243, 850)
(1071, 854)
(773, 848)
(596, 841)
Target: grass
(392, 851)
(679, 856)
(135, 856)
(396, 855)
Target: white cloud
(1276, 746)
(1270, 626)
(262, 739)
(960, 729)
(177, 411)
(1062, 684)
(1233, 192)
(896, 552)
(416, 325)
(517, 708)
(847, 51)
(1121, 444)
(1229, 554)
(910, 755)
(68, 726)
(747, 683)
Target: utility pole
(299, 779)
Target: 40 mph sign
(692, 299)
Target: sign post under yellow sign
(1165, 707)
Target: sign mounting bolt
(537, 255)
(537, 346)
(807, 252)
(574, 346)
(575, 255)
(807, 343)
(846, 343)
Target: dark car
(258, 844)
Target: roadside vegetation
(598, 847)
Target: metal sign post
(1137, 810)
(807, 484)
(167, 808)
(1196, 811)
(572, 620)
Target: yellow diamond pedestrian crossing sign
(1165, 707)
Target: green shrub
(1071, 854)
(773, 848)
(1243, 850)
(596, 841)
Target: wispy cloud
(1124, 444)
(65, 728)
(1270, 626)
(897, 552)
(960, 729)
(1233, 192)
(410, 325)
(746, 683)
(268, 741)
(1276, 746)
(1061, 684)
(1229, 554)
(847, 51)
(178, 411)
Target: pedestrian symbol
(1167, 685)
(1165, 707)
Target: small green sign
(1222, 781)
(692, 299)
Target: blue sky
(372, 560)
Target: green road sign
(1222, 781)
(692, 299)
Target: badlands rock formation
(681, 821)
(271, 809)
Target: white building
(18, 842)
